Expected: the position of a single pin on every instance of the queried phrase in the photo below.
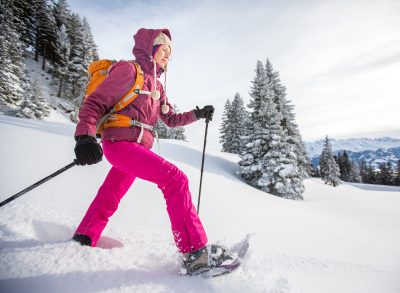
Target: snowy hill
(341, 239)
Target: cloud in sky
(339, 59)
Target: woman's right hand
(87, 150)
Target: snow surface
(343, 239)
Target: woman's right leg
(135, 159)
(105, 204)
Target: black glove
(206, 112)
(87, 150)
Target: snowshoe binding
(210, 261)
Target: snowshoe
(210, 261)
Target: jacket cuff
(82, 130)
(194, 118)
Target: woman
(127, 150)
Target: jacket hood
(144, 39)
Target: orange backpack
(98, 71)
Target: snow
(343, 239)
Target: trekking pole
(75, 162)
(202, 163)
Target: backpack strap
(133, 93)
(128, 98)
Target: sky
(339, 60)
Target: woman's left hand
(205, 112)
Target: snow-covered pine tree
(11, 62)
(61, 13)
(237, 125)
(162, 129)
(355, 175)
(288, 121)
(42, 108)
(164, 132)
(250, 165)
(77, 69)
(23, 20)
(45, 31)
(330, 172)
(89, 47)
(63, 49)
(233, 126)
(266, 161)
(177, 132)
(223, 130)
(34, 105)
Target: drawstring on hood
(165, 107)
(145, 39)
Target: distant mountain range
(374, 151)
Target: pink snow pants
(129, 161)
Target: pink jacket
(120, 79)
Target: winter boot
(82, 239)
(205, 259)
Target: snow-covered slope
(343, 239)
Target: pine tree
(372, 175)
(63, 49)
(344, 164)
(76, 66)
(23, 11)
(45, 31)
(233, 125)
(177, 132)
(267, 162)
(34, 105)
(61, 13)
(385, 176)
(162, 129)
(330, 172)
(11, 62)
(288, 121)
(250, 165)
(397, 178)
(354, 175)
(164, 132)
(46, 26)
(225, 127)
(89, 47)
(364, 171)
(238, 122)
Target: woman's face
(162, 55)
